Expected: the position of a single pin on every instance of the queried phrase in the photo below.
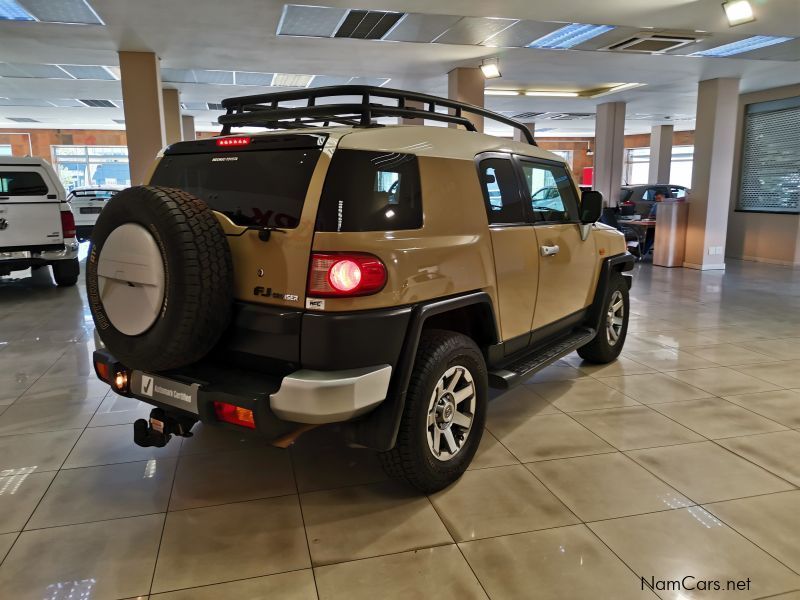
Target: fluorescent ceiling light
(553, 94)
(11, 11)
(569, 36)
(617, 88)
(738, 12)
(490, 69)
(746, 45)
(291, 80)
(501, 92)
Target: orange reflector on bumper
(229, 413)
(103, 371)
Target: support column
(144, 111)
(609, 150)
(519, 137)
(466, 84)
(173, 127)
(406, 120)
(712, 173)
(660, 153)
(187, 124)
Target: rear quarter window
(22, 183)
(371, 191)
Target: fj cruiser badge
(269, 293)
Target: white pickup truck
(37, 227)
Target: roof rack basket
(265, 110)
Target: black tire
(198, 290)
(66, 272)
(602, 349)
(412, 460)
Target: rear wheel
(610, 338)
(66, 272)
(444, 413)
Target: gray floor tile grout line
(303, 521)
(460, 551)
(164, 523)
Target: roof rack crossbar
(264, 110)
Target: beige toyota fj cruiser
(343, 271)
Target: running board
(522, 368)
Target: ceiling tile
(32, 71)
(88, 72)
(62, 11)
(521, 34)
(473, 30)
(251, 78)
(417, 27)
(310, 21)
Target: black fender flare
(619, 263)
(378, 429)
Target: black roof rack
(265, 110)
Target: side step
(522, 368)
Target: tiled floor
(680, 459)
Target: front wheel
(607, 344)
(444, 414)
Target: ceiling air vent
(215, 106)
(652, 43)
(22, 120)
(367, 24)
(98, 103)
(554, 116)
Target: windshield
(255, 188)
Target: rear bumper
(25, 259)
(304, 396)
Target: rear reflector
(233, 141)
(103, 371)
(230, 413)
(345, 274)
(67, 224)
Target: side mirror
(591, 206)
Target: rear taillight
(345, 274)
(230, 413)
(68, 224)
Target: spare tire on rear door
(159, 278)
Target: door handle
(550, 250)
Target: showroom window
(637, 166)
(79, 166)
(5, 149)
(565, 154)
(770, 173)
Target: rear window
(371, 191)
(264, 188)
(22, 183)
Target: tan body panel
(450, 254)
(516, 263)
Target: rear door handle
(550, 250)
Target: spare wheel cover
(130, 279)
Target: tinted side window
(371, 191)
(501, 191)
(676, 192)
(22, 183)
(551, 192)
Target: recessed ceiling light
(491, 68)
(746, 45)
(551, 93)
(12, 11)
(569, 36)
(291, 80)
(738, 12)
(501, 92)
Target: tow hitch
(160, 429)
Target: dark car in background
(642, 197)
